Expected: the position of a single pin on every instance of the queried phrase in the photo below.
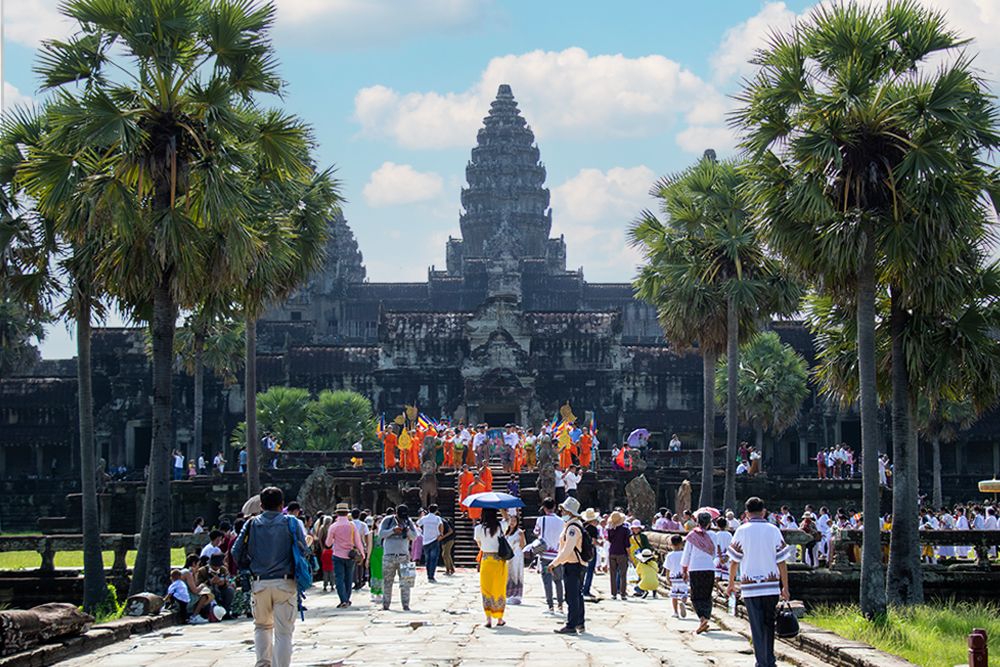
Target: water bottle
(732, 604)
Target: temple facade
(504, 333)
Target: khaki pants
(446, 556)
(274, 605)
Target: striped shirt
(758, 547)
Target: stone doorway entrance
(499, 417)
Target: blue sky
(617, 93)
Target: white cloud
(393, 184)
(567, 93)
(593, 209)
(12, 97)
(334, 24)
(696, 138)
(740, 41)
(28, 22)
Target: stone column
(803, 452)
(959, 455)
(996, 456)
(40, 461)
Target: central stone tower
(506, 204)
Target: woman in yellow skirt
(492, 570)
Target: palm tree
(706, 269)
(60, 232)
(940, 422)
(338, 419)
(852, 143)
(293, 223)
(213, 341)
(773, 381)
(159, 96)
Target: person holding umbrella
(492, 568)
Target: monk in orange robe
(477, 487)
(449, 449)
(586, 443)
(389, 449)
(518, 457)
(565, 450)
(413, 456)
(486, 475)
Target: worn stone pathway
(445, 627)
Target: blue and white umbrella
(493, 499)
(638, 438)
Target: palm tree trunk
(904, 585)
(253, 444)
(732, 402)
(872, 594)
(708, 361)
(197, 444)
(155, 538)
(936, 496)
(94, 586)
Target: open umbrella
(711, 510)
(251, 506)
(638, 437)
(493, 499)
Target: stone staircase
(465, 549)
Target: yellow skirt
(493, 584)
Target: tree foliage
(338, 419)
(773, 381)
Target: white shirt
(430, 526)
(217, 462)
(742, 469)
(723, 538)
(179, 590)
(201, 462)
(697, 560)
(673, 564)
(758, 547)
(361, 527)
(549, 527)
(979, 523)
(823, 524)
(961, 523)
(356, 446)
(209, 550)
(510, 439)
(571, 480)
(560, 480)
(990, 523)
(178, 461)
(490, 543)
(478, 440)
(464, 437)
(675, 444)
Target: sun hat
(644, 556)
(342, 508)
(218, 613)
(571, 505)
(636, 524)
(616, 519)
(590, 514)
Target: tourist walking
(618, 539)
(758, 554)
(345, 541)
(432, 528)
(396, 531)
(515, 567)
(264, 547)
(572, 558)
(590, 517)
(447, 546)
(698, 563)
(492, 568)
(548, 528)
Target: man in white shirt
(201, 464)
(675, 444)
(571, 479)
(560, 486)
(432, 528)
(214, 540)
(549, 527)
(479, 446)
(742, 468)
(219, 463)
(510, 440)
(178, 465)
(757, 558)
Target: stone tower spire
(506, 204)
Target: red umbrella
(711, 510)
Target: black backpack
(587, 552)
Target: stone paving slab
(446, 629)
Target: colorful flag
(593, 423)
(380, 428)
(425, 422)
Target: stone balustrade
(47, 546)
(844, 541)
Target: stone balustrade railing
(47, 546)
(843, 544)
(659, 540)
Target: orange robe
(413, 456)
(518, 458)
(565, 450)
(487, 476)
(586, 442)
(389, 445)
(476, 512)
(465, 480)
(449, 453)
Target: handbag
(504, 550)
(786, 625)
(354, 554)
(408, 574)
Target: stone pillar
(40, 462)
(803, 452)
(996, 457)
(959, 455)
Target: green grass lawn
(30, 560)
(929, 636)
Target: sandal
(501, 623)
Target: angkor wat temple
(504, 333)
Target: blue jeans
(761, 614)
(178, 473)
(573, 580)
(588, 578)
(549, 578)
(343, 574)
(432, 552)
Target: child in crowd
(177, 594)
(646, 568)
(672, 568)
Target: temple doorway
(499, 417)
